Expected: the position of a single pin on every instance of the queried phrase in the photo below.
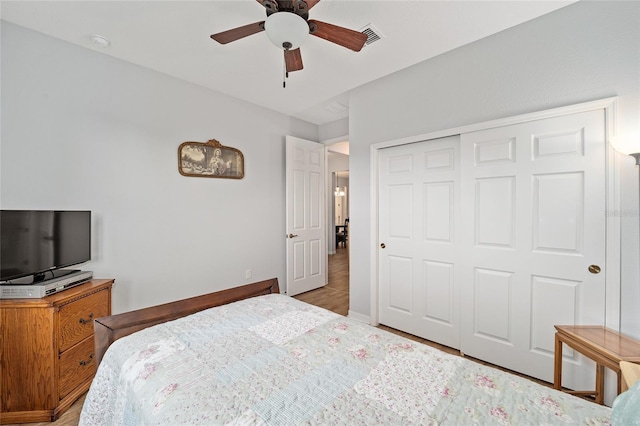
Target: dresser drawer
(76, 318)
(76, 366)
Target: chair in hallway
(342, 233)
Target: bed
(251, 356)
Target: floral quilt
(273, 360)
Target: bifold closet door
(533, 222)
(419, 219)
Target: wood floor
(334, 297)
(70, 418)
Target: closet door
(489, 238)
(533, 221)
(419, 217)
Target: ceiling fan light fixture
(286, 30)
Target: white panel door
(418, 212)
(305, 195)
(533, 221)
(488, 239)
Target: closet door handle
(594, 269)
(383, 245)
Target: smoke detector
(100, 41)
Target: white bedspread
(273, 360)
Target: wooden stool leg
(599, 384)
(557, 364)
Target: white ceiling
(172, 37)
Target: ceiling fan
(288, 25)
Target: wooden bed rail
(111, 328)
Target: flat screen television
(39, 243)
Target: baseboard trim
(359, 317)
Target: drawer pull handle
(83, 362)
(87, 321)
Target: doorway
(341, 208)
(338, 219)
(334, 296)
(338, 262)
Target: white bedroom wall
(586, 51)
(81, 130)
(337, 162)
(334, 129)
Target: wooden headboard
(111, 328)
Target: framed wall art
(210, 159)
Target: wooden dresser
(47, 355)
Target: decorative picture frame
(210, 159)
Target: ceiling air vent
(336, 107)
(373, 34)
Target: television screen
(36, 241)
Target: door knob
(292, 235)
(382, 245)
(594, 269)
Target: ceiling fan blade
(311, 3)
(238, 33)
(350, 39)
(293, 60)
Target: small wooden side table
(603, 345)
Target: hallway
(335, 295)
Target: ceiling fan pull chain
(285, 74)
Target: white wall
(337, 162)
(81, 130)
(333, 130)
(585, 51)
